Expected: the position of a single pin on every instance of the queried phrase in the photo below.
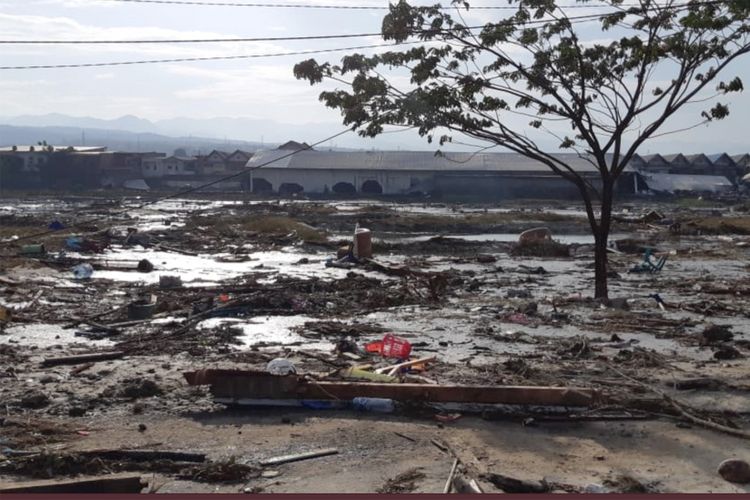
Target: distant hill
(118, 140)
(199, 131)
(236, 130)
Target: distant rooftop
(409, 160)
(37, 148)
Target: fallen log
(232, 386)
(109, 484)
(83, 358)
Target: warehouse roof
(409, 160)
(671, 183)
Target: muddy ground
(449, 278)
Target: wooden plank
(237, 384)
(146, 455)
(449, 482)
(299, 456)
(109, 484)
(83, 358)
(391, 370)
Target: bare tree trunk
(601, 235)
(600, 266)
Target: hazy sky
(260, 88)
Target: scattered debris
(406, 482)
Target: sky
(262, 89)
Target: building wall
(323, 180)
(540, 185)
(32, 160)
(152, 168)
(493, 186)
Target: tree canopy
(601, 80)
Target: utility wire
(337, 7)
(188, 40)
(509, 22)
(207, 58)
(572, 19)
(175, 195)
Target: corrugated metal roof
(409, 160)
(680, 182)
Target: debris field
(227, 345)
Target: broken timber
(299, 456)
(234, 386)
(110, 484)
(83, 358)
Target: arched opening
(290, 188)
(372, 187)
(262, 186)
(344, 188)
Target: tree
(598, 98)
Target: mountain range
(138, 134)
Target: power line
(314, 37)
(334, 7)
(573, 19)
(178, 194)
(194, 59)
(188, 40)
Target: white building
(158, 167)
(408, 172)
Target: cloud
(34, 27)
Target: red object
(395, 347)
(447, 418)
(376, 346)
(224, 297)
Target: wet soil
(256, 287)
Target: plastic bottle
(377, 405)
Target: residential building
(236, 161)
(213, 163)
(34, 157)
